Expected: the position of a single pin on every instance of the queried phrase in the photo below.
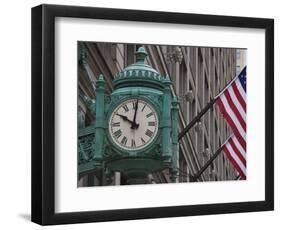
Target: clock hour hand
(125, 118)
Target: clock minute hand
(134, 125)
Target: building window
(183, 88)
(217, 83)
(238, 53)
(192, 58)
(183, 168)
(206, 148)
(200, 76)
(192, 105)
(120, 56)
(238, 68)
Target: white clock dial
(133, 124)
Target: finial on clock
(141, 55)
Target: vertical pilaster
(100, 122)
(175, 144)
(166, 121)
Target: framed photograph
(145, 114)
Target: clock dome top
(140, 74)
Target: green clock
(133, 124)
(136, 126)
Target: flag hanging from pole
(232, 104)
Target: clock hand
(134, 124)
(125, 118)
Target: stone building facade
(198, 74)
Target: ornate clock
(133, 124)
(136, 126)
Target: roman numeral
(143, 141)
(124, 140)
(143, 107)
(125, 107)
(133, 143)
(117, 133)
(115, 124)
(134, 104)
(149, 115)
(151, 123)
(148, 133)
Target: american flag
(232, 104)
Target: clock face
(133, 124)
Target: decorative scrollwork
(86, 146)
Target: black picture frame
(43, 113)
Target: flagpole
(209, 162)
(238, 177)
(196, 119)
(205, 109)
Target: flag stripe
(241, 89)
(237, 103)
(235, 110)
(239, 147)
(235, 124)
(239, 97)
(230, 122)
(237, 152)
(235, 164)
(235, 157)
